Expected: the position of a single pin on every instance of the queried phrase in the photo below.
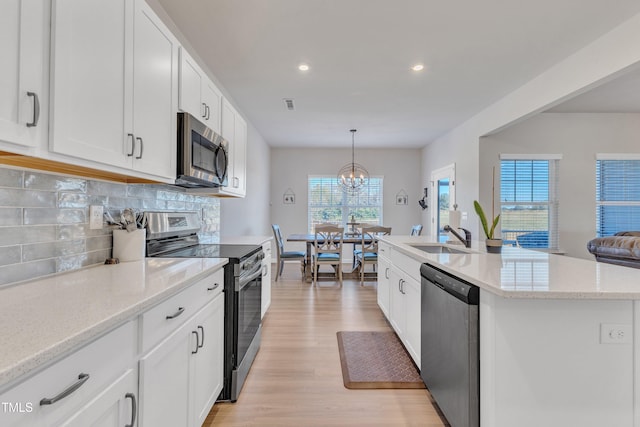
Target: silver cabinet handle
(386, 273)
(82, 378)
(201, 330)
(134, 408)
(36, 109)
(204, 111)
(133, 144)
(207, 112)
(141, 146)
(264, 270)
(402, 286)
(236, 182)
(176, 314)
(197, 342)
(214, 287)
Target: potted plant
(493, 245)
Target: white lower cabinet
(404, 311)
(181, 377)
(384, 280)
(89, 387)
(116, 406)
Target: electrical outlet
(95, 217)
(615, 333)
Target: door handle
(197, 342)
(36, 109)
(176, 314)
(386, 273)
(201, 330)
(141, 147)
(133, 144)
(204, 111)
(134, 408)
(214, 287)
(208, 112)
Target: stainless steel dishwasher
(450, 345)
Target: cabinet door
(22, 48)
(266, 285)
(191, 82)
(212, 99)
(155, 89)
(384, 270)
(239, 181)
(207, 364)
(90, 81)
(413, 313)
(164, 381)
(397, 314)
(113, 407)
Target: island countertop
(524, 273)
(47, 318)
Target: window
(617, 195)
(529, 203)
(328, 203)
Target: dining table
(348, 238)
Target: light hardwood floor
(296, 379)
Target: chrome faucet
(467, 235)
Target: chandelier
(353, 177)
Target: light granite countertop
(523, 273)
(45, 319)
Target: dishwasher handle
(455, 286)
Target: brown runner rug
(376, 360)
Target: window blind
(529, 203)
(617, 196)
(327, 203)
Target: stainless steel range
(174, 235)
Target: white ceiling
(360, 51)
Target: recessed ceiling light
(303, 67)
(418, 67)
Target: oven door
(249, 305)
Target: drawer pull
(197, 342)
(141, 147)
(82, 378)
(133, 144)
(202, 343)
(214, 287)
(176, 314)
(134, 408)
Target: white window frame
(599, 203)
(344, 207)
(552, 203)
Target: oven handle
(244, 281)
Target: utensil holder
(129, 246)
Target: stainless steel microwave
(202, 155)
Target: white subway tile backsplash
(44, 219)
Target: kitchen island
(557, 334)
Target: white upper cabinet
(114, 85)
(198, 95)
(23, 98)
(234, 130)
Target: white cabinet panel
(384, 280)
(198, 95)
(207, 366)
(266, 278)
(114, 85)
(114, 407)
(234, 130)
(23, 36)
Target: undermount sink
(439, 249)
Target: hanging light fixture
(353, 177)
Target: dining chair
(286, 256)
(416, 230)
(369, 252)
(328, 249)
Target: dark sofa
(622, 249)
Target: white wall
(600, 61)
(290, 168)
(250, 216)
(578, 137)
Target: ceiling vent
(288, 102)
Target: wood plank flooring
(296, 379)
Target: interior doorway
(443, 187)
